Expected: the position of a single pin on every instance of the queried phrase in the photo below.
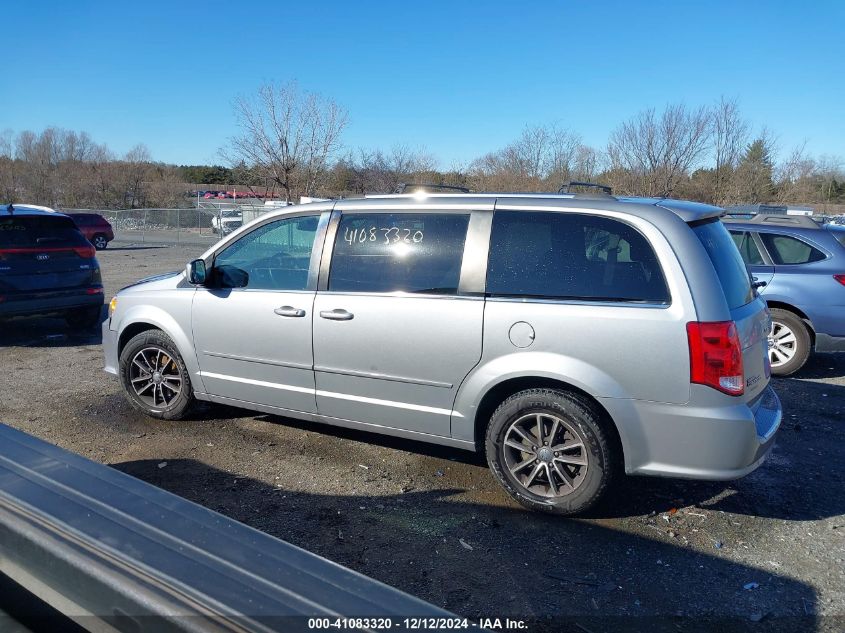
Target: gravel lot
(762, 553)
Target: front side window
(572, 256)
(398, 252)
(747, 248)
(275, 256)
(789, 250)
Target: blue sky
(459, 78)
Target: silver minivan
(570, 337)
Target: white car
(227, 221)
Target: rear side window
(35, 231)
(726, 260)
(572, 256)
(747, 247)
(398, 252)
(785, 249)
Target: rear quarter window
(785, 249)
(727, 261)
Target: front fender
(488, 375)
(167, 323)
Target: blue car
(802, 264)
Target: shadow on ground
(481, 561)
(40, 331)
(798, 482)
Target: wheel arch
(782, 305)
(141, 319)
(501, 391)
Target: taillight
(716, 356)
(85, 251)
(94, 291)
(840, 279)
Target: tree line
(289, 142)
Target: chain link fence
(200, 226)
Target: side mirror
(196, 272)
(230, 277)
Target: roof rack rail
(566, 187)
(805, 221)
(403, 187)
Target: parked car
(47, 267)
(227, 221)
(95, 228)
(802, 264)
(568, 337)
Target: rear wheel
(84, 318)
(100, 241)
(550, 451)
(789, 342)
(154, 376)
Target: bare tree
(8, 168)
(730, 136)
(540, 159)
(287, 136)
(655, 153)
(134, 170)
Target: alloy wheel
(155, 377)
(545, 454)
(782, 344)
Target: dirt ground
(762, 553)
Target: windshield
(727, 261)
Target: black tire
(181, 404)
(802, 345)
(100, 242)
(575, 412)
(84, 318)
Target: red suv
(95, 228)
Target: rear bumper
(827, 343)
(696, 442)
(59, 302)
(110, 348)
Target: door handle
(338, 314)
(758, 284)
(290, 311)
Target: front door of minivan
(253, 343)
(393, 338)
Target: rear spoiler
(112, 552)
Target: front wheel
(154, 376)
(789, 342)
(550, 451)
(100, 241)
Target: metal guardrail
(115, 553)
